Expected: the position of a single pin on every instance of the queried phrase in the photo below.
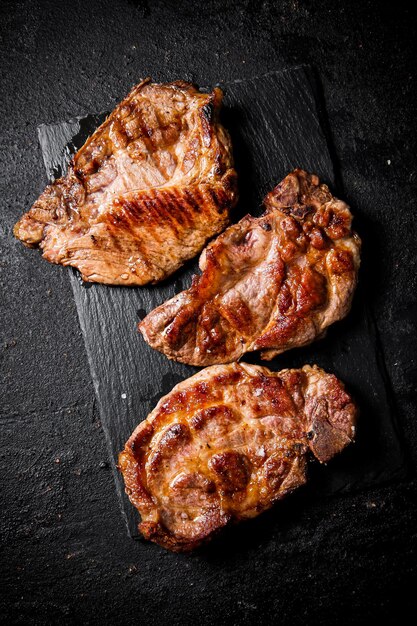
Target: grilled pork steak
(144, 193)
(270, 283)
(227, 443)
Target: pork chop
(227, 443)
(270, 283)
(145, 193)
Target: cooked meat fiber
(227, 443)
(270, 283)
(145, 192)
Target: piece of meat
(227, 443)
(270, 283)
(145, 193)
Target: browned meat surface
(145, 192)
(227, 443)
(270, 283)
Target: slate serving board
(275, 123)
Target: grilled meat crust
(145, 193)
(227, 443)
(270, 283)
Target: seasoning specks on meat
(145, 192)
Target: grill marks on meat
(145, 192)
(227, 443)
(270, 283)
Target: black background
(65, 553)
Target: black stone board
(276, 122)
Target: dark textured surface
(66, 556)
(272, 115)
